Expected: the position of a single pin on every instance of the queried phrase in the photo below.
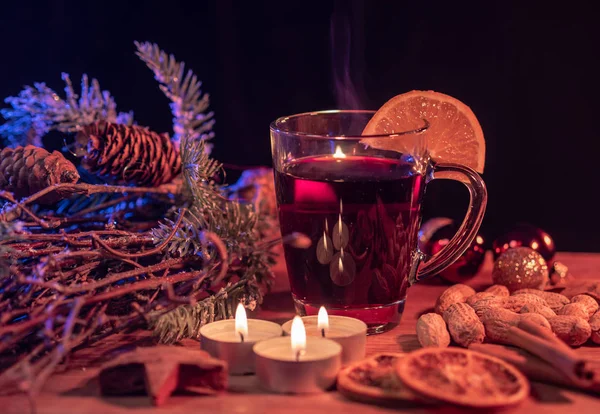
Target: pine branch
(199, 171)
(196, 161)
(188, 103)
(38, 109)
(233, 222)
(185, 321)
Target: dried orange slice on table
(462, 377)
(374, 380)
(453, 136)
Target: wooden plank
(75, 389)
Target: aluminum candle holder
(232, 340)
(350, 333)
(297, 364)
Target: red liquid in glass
(362, 215)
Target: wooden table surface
(75, 389)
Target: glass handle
(470, 225)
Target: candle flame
(325, 240)
(339, 154)
(298, 336)
(241, 322)
(323, 320)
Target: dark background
(529, 71)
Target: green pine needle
(188, 104)
(186, 320)
(235, 223)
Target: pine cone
(129, 154)
(26, 170)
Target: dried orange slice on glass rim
(453, 136)
(462, 377)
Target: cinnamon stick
(545, 333)
(582, 368)
(533, 367)
(565, 361)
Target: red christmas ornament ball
(436, 233)
(525, 235)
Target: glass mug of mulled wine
(361, 207)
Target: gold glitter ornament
(520, 268)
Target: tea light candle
(297, 364)
(350, 333)
(232, 340)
